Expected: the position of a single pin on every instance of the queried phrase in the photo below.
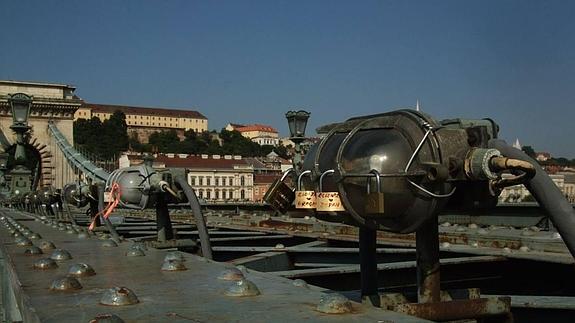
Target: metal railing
(75, 158)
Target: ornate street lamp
(297, 121)
(20, 104)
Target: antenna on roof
(417, 105)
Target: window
(217, 194)
(217, 181)
(208, 194)
(242, 194)
(231, 181)
(242, 181)
(208, 181)
(223, 181)
(201, 180)
(201, 194)
(193, 180)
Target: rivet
(242, 268)
(461, 229)
(45, 263)
(33, 251)
(119, 296)
(243, 288)
(140, 245)
(524, 249)
(103, 236)
(23, 242)
(81, 270)
(527, 232)
(445, 244)
(60, 254)
(507, 250)
(106, 318)
(472, 226)
(173, 265)
(47, 245)
(35, 236)
(482, 231)
(279, 246)
(334, 304)
(445, 224)
(474, 244)
(71, 231)
(65, 283)
(174, 255)
(109, 244)
(534, 228)
(135, 252)
(300, 283)
(233, 274)
(556, 235)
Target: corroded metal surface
(192, 295)
(459, 309)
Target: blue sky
(251, 61)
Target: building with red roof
(143, 121)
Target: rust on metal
(458, 309)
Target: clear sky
(251, 61)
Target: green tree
(102, 140)
(114, 136)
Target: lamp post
(20, 104)
(297, 121)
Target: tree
(114, 135)
(104, 140)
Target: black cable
(199, 217)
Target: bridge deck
(194, 295)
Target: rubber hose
(546, 193)
(199, 217)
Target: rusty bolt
(81, 270)
(33, 251)
(45, 263)
(65, 284)
(334, 304)
(173, 265)
(243, 288)
(60, 255)
(119, 296)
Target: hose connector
(478, 164)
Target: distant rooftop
(108, 108)
(256, 127)
(201, 161)
(43, 84)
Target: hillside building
(142, 122)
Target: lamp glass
(20, 104)
(297, 122)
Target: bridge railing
(75, 158)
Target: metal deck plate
(194, 295)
